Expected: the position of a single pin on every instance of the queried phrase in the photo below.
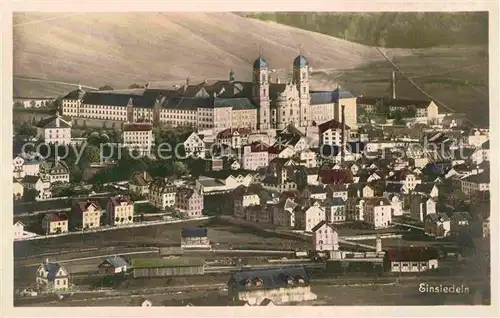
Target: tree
(179, 168)
(106, 88)
(27, 131)
(132, 86)
(382, 108)
(32, 103)
(90, 154)
(398, 118)
(30, 195)
(56, 105)
(18, 105)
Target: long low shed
(167, 267)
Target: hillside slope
(124, 48)
(391, 29)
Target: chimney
(278, 80)
(342, 153)
(393, 85)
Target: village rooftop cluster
(324, 166)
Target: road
(53, 82)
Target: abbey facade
(260, 104)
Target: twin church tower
(281, 104)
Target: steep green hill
(391, 29)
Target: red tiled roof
(54, 217)
(331, 124)
(338, 176)
(137, 127)
(258, 146)
(228, 133)
(118, 200)
(84, 205)
(412, 254)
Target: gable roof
(118, 200)
(331, 124)
(114, 261)
(483, 177)
(424, 188)
(54, 122)
(141, 179)
(438, 217)
(270, 278)
(328, 97)
(412, 254)
(194, 232)
(84, 205)
(52, 269)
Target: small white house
(114, 265)
(52, 276)
(18, 230)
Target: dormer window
(289, 280)
(258, 282)
(247, 283)
(300, 280)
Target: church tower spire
(260, 91)
(301, 80)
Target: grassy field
(456, 76)
(161, 47)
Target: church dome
(300, 61)
(260, 63)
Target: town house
(284, 213)
(162, 194)
(40, 185)
(474, 183)
(193, 145)
(336, 210)
(86, 215)
(245, 197)
(437, 225)
(138, 137)
(255, 156)
(377, 212)
(308, 217)
(422, 206)
(54, 171)
(325, 237)
(232, 137)
(139, 183)
(330, 133)
(54, 223)
(55, 130)
(190, 202)
(120, 210)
